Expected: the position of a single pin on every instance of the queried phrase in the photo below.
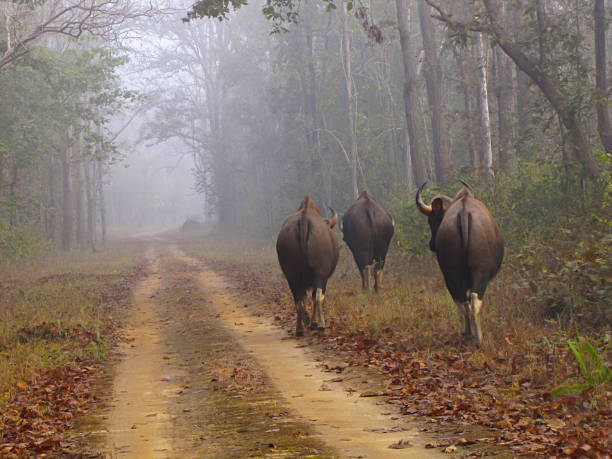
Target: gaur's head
(308, 204)
(438, 207)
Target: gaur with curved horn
(308, 251)
(368, 228)
(470, 250)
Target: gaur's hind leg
(366, 278)
(475, 307)
(378, 275)
(302, 317)
(464, 317)
(314, 317)
(318, 314)
(299, 296)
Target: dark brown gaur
(470, 251)
(308, 251)
(368, 228)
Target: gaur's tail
(373, 235)
(304, 235)
(464, 223)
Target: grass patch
(59, 309)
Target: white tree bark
(350, 98)
(483, 101)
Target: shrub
(21, 243)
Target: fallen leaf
(400, 444)
(371, 393)
(22, 385)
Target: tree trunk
(91, 206)
(483, 105)
(50, 196)
(100, 199)
(470, 125)
(505, 109)
(350, 99)
(552, 90)
(603, 114)
(523, 113)
(505, 106)
(435, 97)
(67, 221)
(12, 194)
(410, 97)
(79, 205)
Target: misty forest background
(224, 119)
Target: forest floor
(200, 361)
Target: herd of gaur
(464, 235)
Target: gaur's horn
(424, 208)
(467, 185)
(334, 218)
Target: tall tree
(483, 107)
(602, 92)
(435, 95)
(410, 96)
(350, 98)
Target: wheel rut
(199, 376)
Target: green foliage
(217, 9)
(50, 101)
(21, 243)
(412, 231)
(279, 12)
(593, 369)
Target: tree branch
(101, 18)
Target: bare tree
(72, 18)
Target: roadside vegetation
(58, 319)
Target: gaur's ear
(437, 205)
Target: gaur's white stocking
(475, 309)
(318, 312)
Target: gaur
(368, 228)
(308, 251)
(470, 250)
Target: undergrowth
(59, 309)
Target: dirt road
(200, 376)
